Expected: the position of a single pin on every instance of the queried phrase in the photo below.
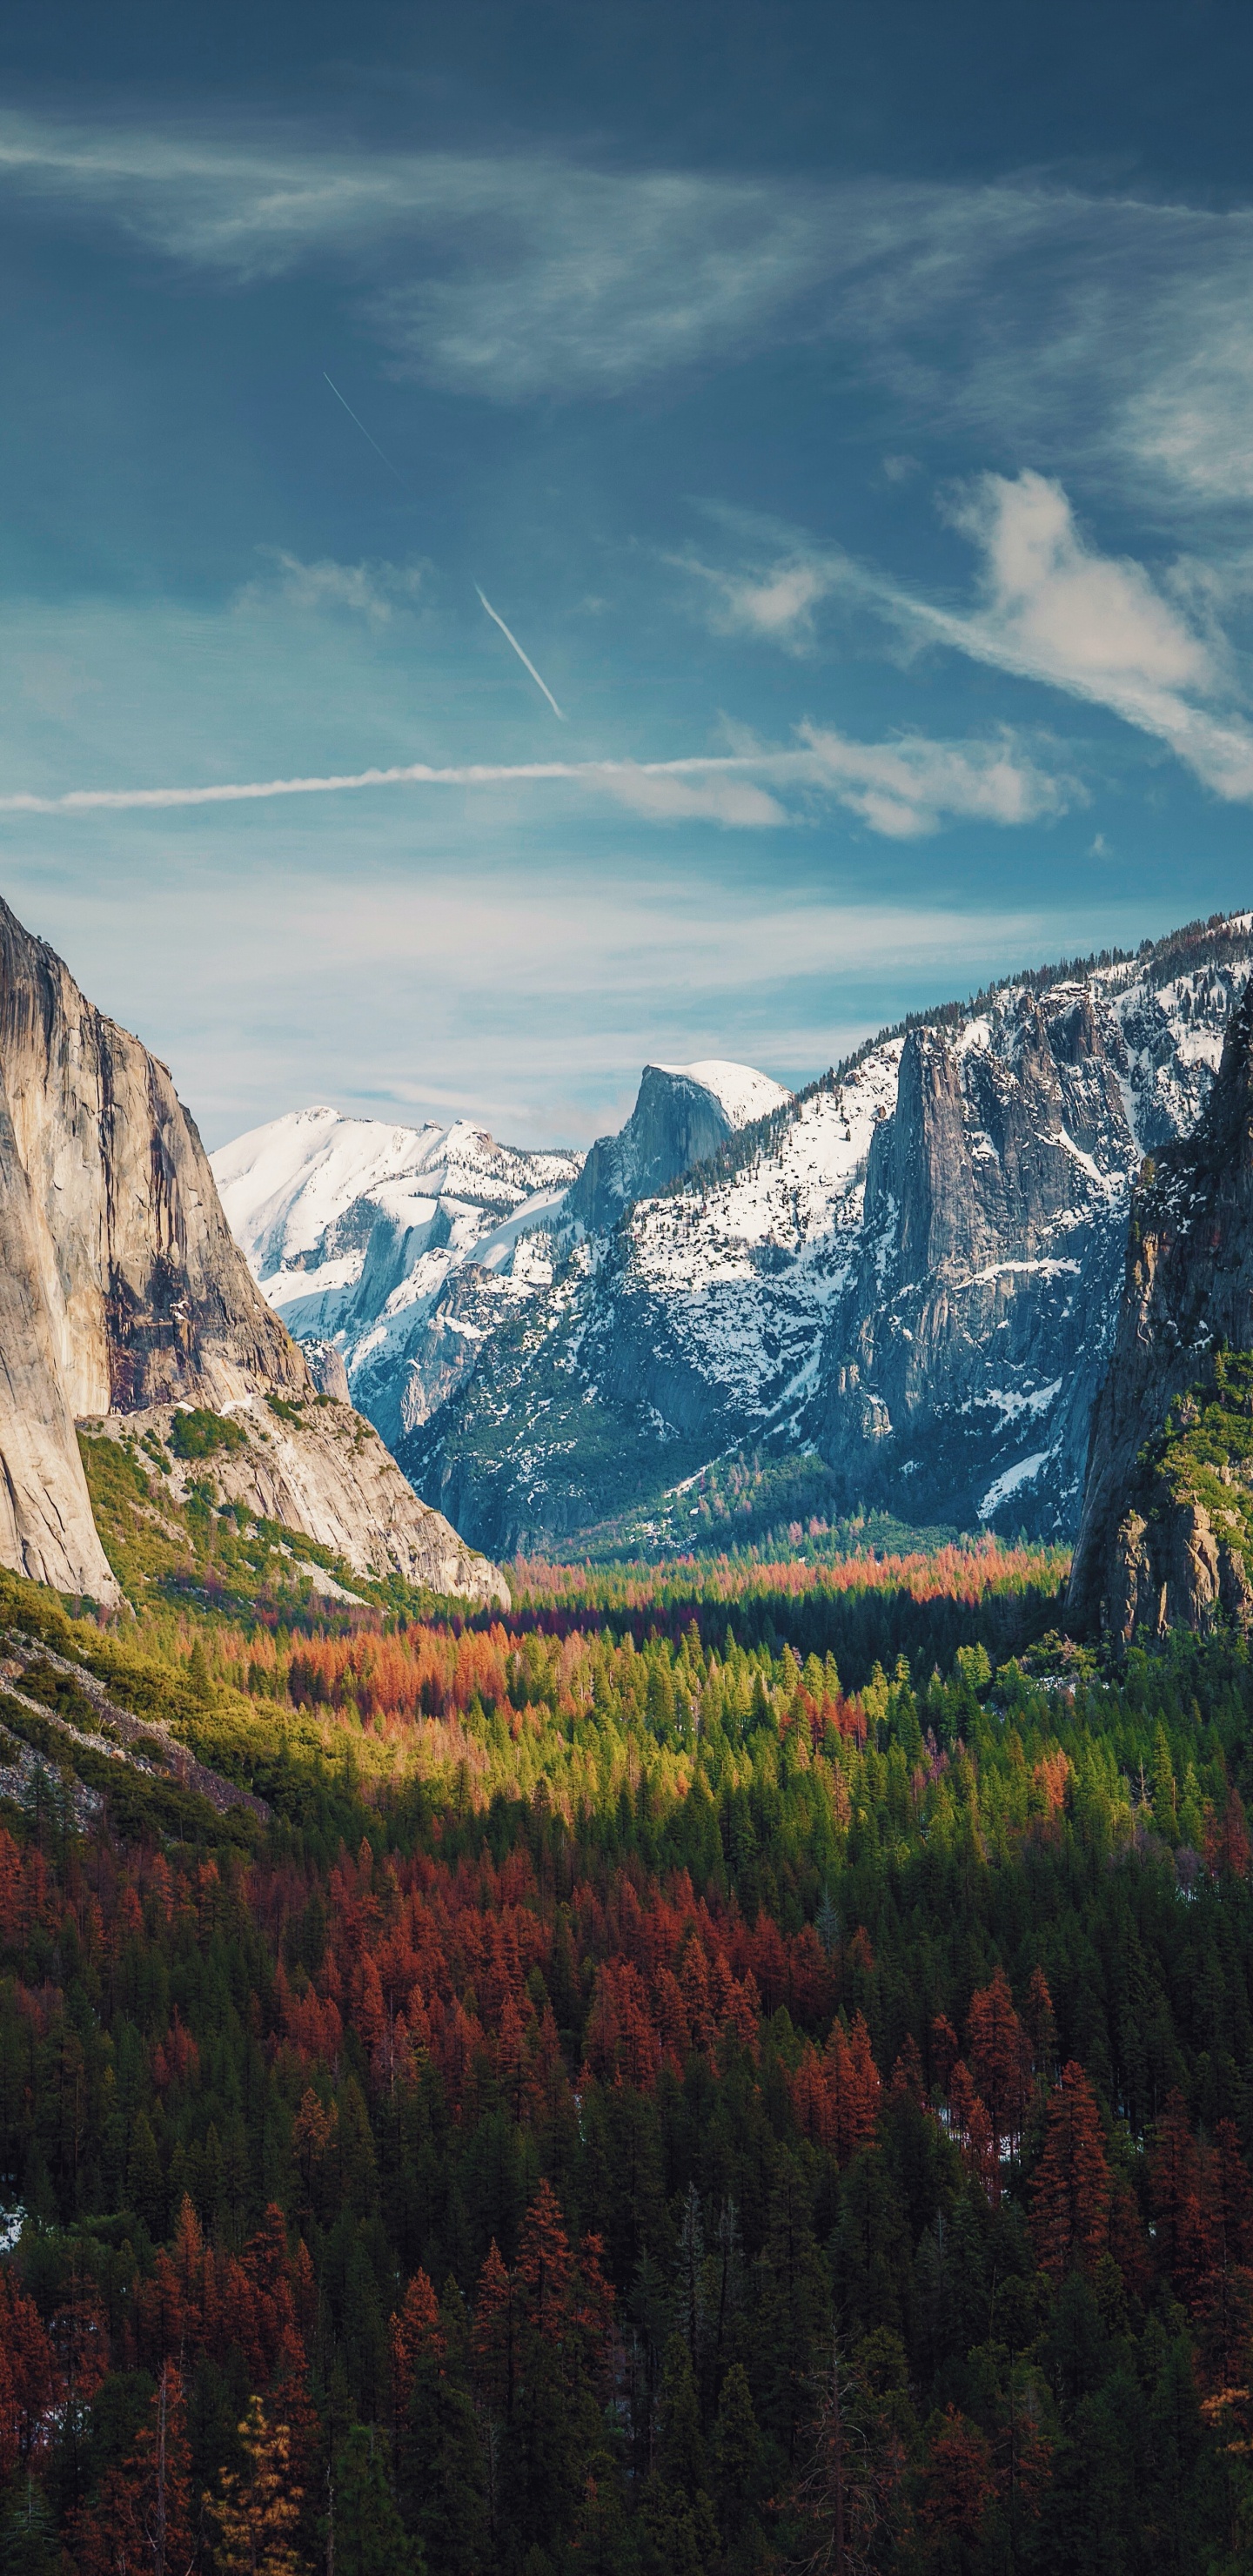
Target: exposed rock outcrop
(1162, 1539)
(122, 1289)
(682, 1114)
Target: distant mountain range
(896, 1289)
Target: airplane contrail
(82, 800)
(392, 469)
(524, 658)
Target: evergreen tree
(256, 2511)
(363, 2526)
(28, 2534)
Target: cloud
(1067, 323)
(1062, 611)
(774, 601)
(531, 1002)
(1050, 608)
(369, 590)
(900, 789)
(907, 788)
(1055, 610)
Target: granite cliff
(1166, 1536)
(122, 1289)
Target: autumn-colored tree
(30, 2381)
(1071, 2189)
(1175, 2193)
(416, 2335)
(256, 2511)
(544, 2266)
(855, 2087)
(999, 2056)
(140, 2523)
(956, 2487)
(495, 2336)
(944, 2050)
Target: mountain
(1166, 1537)
(683, 1114)
(910, 1271)
(401, 1248)
(123, 1295)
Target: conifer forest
(690, 2075)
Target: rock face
(912, 1270)
(683, 1114)
(122, 1288)
(1165, 1522)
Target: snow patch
(1024, 1473)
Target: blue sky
(849, 411)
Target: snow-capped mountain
(358, 1232)
(684, 1113)
(406, 1248)
(911, 1268)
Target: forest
(728, 2068)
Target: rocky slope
(1166, 1536)
(121, 1288)
(315, 1467)
(912, 1270)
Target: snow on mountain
(912, 1268)
(356, 1231)
(741, 1093)
(684, 1115)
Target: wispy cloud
(907, 788)
(1054, 609)
(900, 789)
(1050, 607)
(1076, 323)
(774, 600)
(370, 590)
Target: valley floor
(718, 2057)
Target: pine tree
(544, 2266)
(257, 2508)
(957, 2484)
(1071, 2190)
(999, 2058)
(141, 2518)
(362, 2521)
(28, 2534)
(440, 2462)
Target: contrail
(392, 469)
(82, 800)
(522, 657)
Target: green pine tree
(369, 2536)
(28, 2536)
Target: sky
(778, 478)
